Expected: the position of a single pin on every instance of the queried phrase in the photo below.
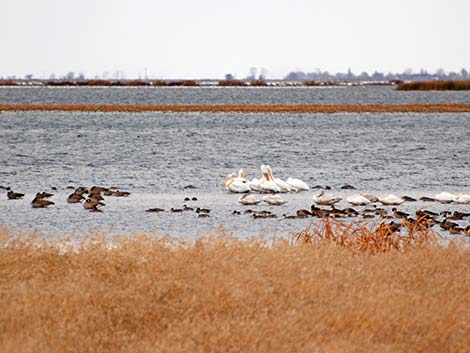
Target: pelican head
(241, 174)
(229, 180)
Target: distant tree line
(407, 75)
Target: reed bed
(314, 108)
(312, 293)
(456, 85)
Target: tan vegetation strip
(335, 289)
(386, 108)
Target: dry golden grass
(313, 108)
(219, 294)
(452, 85)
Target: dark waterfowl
(92, 203)
(14, 195)
(408, 198)
(41, 203)
(202, 215)
(176, 210)
(263, 216)
(74, 198)
(236, 212)
(446, 225)
(427, 199)
(187, 208)
(304, 213)
(156, 209)
(399, 214)
(202, 210)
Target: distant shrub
(458, 85)
(258, 83)
(7, 83)
(310, 83)
(227, 83)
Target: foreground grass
(320, 292)
(222, 108)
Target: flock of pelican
(271, 185)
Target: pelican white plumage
(325, 199)
(279, 182)
(371, 198)
(234, 184)
(267, 184)
(445, 197)
(274, 200)
(358, 200)
(391, 199)
(248, 199)
(462, 198)
(297, 184)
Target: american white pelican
(233, 184)
(445, 197)
(371, 198)
(297, 184)
(274, 200)
(248, 199)
(358, 200)
(462, 198)
(279, 182)
(391, 199)
(325, 199)
(267, 184)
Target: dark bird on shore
(263, 216)
(202, 210)
(399, 214)
(14, 195)
(187, 208)
(202, 215)
(236, 212)
(249, 211)
(408, 198)
(74, 198)
(458, 215)
(41, 203)
(97, 190)
(348, 187)
(175, 210)
(427, 199)
(446, 225)
(92, 203)
(351, 212)
(284, 216)
(466, 231)
(304, 214)
(156, 209)
(456, 230)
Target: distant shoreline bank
(304, 108)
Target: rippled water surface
(156, 155)
(226, 95)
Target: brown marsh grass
(456, 85)
(313, 293)
(311, 108)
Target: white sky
(209, 38)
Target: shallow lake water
(157, 155)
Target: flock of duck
(92, 198)
(273, 186)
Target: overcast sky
(209, 38)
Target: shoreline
(304, 108)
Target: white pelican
(445, 197)
(325, 199)
(274, 200)
(358, 200)
(391, 199)
(233, 184)
(254, 184)
(462, 198)
(248, 199)
(371, 198)
(267, 184)
(279, 182)
(297, 184)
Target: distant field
(460, 85)
(333, 288)
(312, 108)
